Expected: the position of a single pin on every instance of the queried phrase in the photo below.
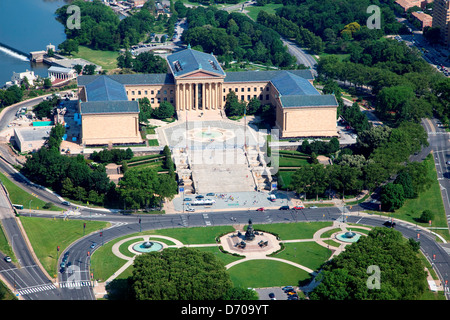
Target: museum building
(197, 86)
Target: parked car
(199, 197)
(284, 208)
(211, 194)
(260, 209)
(298, 207)
(190, 209)
(187, 199)
(287, 288)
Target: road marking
(30, 290)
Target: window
(159, 91)
(248, 97)
(242, 97)
(171, 100)
(242, 89)
(260, 88)
(165, 91)
(152, 100)
(235, 89)
(248, 89)
(165, 98)
(159, 100)
(132, 92)
(146, 92)
(260, 97)
(267, 88)
(267, 97)
(139, 92)
(254, 89)
(152, 92)
(171, 91)
(132, 99)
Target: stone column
(195, 96)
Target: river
(27, 25)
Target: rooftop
(105, 89)
(294, 101)
(98, 107)
(188, 60)
(33, 133)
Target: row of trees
(183, 274)
(101, 28)
(234, 36)
(145, 62)
(380, 153)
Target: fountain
(147, 246)
(348, 236)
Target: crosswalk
(46, 287)
(36, 289)
(75, 284)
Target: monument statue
(250, 233)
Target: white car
(190, 209)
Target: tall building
(197, 86)
(441, 18)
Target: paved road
(301, 56)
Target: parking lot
(278, 292)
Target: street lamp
(29, 206)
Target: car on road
(298, 207)
(447, 162)
(65, 203)
(190, 209)
(8, 259)
(260, 209)
(313, 207)
(284, 208)
(389, 224)
(93, 245)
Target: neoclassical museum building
(197, 86)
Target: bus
(202, 202)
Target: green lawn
(269, 8)
(106, 59)
(290, 231)
(47, 234)
(4, 245)
(19, 196)
(430, 199)
(292, 161)
(266, 273)
(308, 254)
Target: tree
(145, 110)
(147, 62)
(234, 107)
(426, 216)
(402, 275)
(405, 180)
(47, 83)
(165, 110)
(69, 46)
(89, 69)
(392, 196)
(179, 274)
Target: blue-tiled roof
(131, 79)
(97, 107)
(105, 89)
(252, 76)
(186, 61)
(293, 101)
(288, 83)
